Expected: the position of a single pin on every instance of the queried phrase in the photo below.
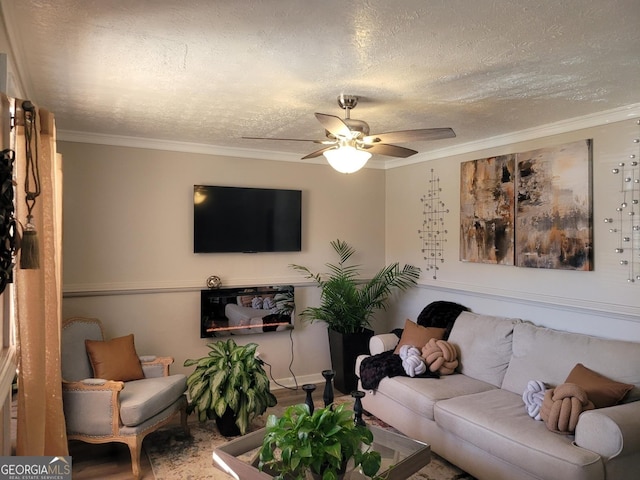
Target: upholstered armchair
(112, 395)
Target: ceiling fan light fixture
(347, 159)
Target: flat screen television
(239, 219)
(245, 311)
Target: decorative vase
(345, 348)
(227, 424)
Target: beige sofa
(478, 420)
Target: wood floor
(112, 460)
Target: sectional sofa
(478, 417)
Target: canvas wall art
(487, 205)
(553, 207)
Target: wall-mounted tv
(240, 219)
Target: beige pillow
(602, 391)
(418, 336)
(114, 359)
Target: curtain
(40, 426)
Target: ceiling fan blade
(283, 139)
(334, 125)
(411, 135)
(317, 153)
(390, 150)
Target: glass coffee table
(401, 456)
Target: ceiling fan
(349, 145)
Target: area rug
(174, 456)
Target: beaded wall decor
(626, 225)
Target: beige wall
(128, 245)
(129, 261)
(599, 302)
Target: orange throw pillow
(602, 391)
(418, 336)
(114, 359)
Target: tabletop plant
(347, 303)
(321, 443)
(229, 382)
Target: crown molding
(563, 126)
(187, 147)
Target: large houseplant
(321, 442)
(348, 303)
(230, 386)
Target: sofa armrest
(382, 342)
(92, 407)
(610, 432)
(155, 366)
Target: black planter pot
(227, 424)
(345, 348)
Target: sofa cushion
(421, 394)
(548, 355)
(142, 399)
(602, 391)
(417, 336)
(497, 422)
(483, 344)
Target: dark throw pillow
(441, 314)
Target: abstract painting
(554, 208)
(487, 200)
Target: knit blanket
(386, 364)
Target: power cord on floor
(295, 380)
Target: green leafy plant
(321, 442)
(229, 377)
(346, 303)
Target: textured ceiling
(210, 72)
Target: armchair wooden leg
(135, 447)
(183, 421)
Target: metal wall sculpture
(626, 225)
(433, 234)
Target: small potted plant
(230, 386)
(321, 443)
(347, 305)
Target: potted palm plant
(347, 305)
(230, 386)
(321, 443)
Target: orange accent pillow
(418, 336)
(602, 391)
(114, 359)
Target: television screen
(237, 219)
(244, 311)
